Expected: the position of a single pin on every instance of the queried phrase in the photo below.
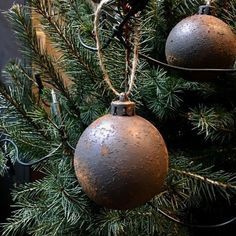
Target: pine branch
(226, 10)
(20, 18)
(19, 108)
(3, 164)
(162, 94)
(188, 7)
(215, 122)
(39, 113)
(54, 203)
(199, 179)
(56, 27)
(209, 181)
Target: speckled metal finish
(121, 161)
(201, 41)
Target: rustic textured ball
(201, 41)
(121, 161)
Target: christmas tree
(59, 90)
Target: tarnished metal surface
(201, 41)
(121, 161)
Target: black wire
(85, 45)
(160, 63)
(70, 146)
(192, 225)
(30, 163)
(156, 62)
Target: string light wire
(6, 140)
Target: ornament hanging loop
(123, 97)
(101, 56)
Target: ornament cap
(204, 10)
(123, 107)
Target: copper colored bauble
(121, 160)
(201, 41)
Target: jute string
(101, 56)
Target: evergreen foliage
(197, 121)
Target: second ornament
(201, 41)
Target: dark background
(8, 50)
(8, 46)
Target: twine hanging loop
(101, 56)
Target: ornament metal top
(121, 159)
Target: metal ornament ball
(201, 41)
(121, 159)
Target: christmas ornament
(121, 160)
(201, 41)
